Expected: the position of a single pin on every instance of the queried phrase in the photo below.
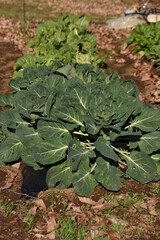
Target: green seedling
(101, 238)
(54, 199)
(117, 228)
(130, 199)
(155, 191)
(138, 232)
(150, 218)
(68, 229)
(86, 207)
(43, 214)
(7, 206)
(30, 221)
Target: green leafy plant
(30, 222)
(64, 39)
(85, 125)
(68, 229)
(7, 206)
(146, 40)
(117, 228)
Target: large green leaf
(23, 102)
(67, 71)
(125, 135)
(28, 158)
(39, 90)
(124, 108)
(147, 121)
(141, 167)
(131, 88)
(8, 116)
(103, 146)
(51, 152)
(70, 115)
(49, 104)
(5, 100)
(79, 153)
(27, 134)
(10, 149)
(51, 130)
(25, 61)
(79, 93)
(150, 142)
(59, 176)
(90, 125)
(107, 175)
(83, 181)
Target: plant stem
(80, 133)
(121, 152)
(88, 145)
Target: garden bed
(131, 213)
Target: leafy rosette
(86, 126)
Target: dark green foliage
(85, 125)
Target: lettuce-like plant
(146, 40)
(63, 39)
(84, 125)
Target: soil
(135, 208)
(9, 54)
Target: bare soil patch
(9, 54)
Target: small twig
(22, 194)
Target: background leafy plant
(64, 39)
(83, 124)
(146, 40)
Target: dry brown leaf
(37, 230)
(6, 186)
(122, 196)
(94, 231)
(114, 235)
(39, 236)
(145, 77)
(140, 204)
(51, 224)
(116, 220)
(120, 60)
(40, 203)
(87, 200)
(99, 220)
(105, 205)
(76, 209)
(50, 236)
(87, 238)
(70, 206)
(16, 165)
(151, 205)
(33, 210)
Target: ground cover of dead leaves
(128, 214)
